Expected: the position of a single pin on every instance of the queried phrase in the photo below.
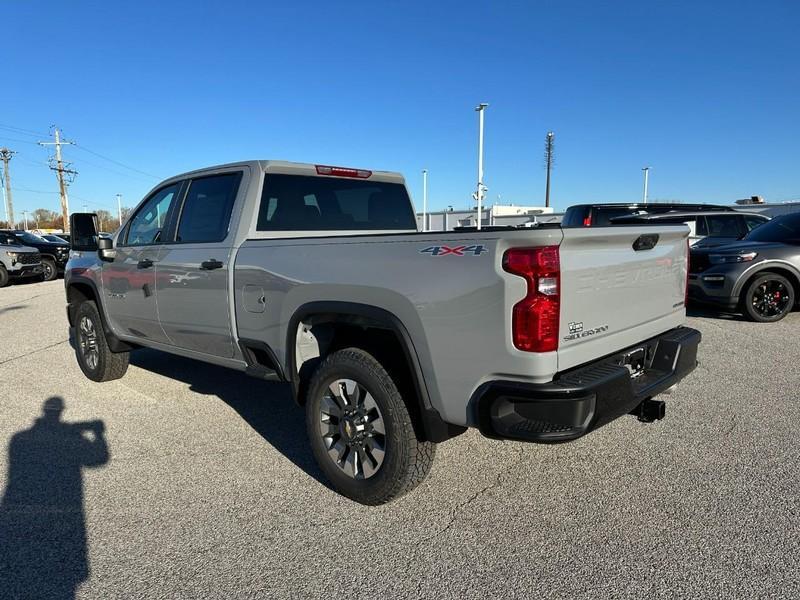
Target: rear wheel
(49, 268)
(768, 298)
(95, 358)
(361, 432)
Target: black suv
(54, 255)
(601, 215)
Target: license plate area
(634, 361)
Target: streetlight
(644, 193)
(424, 199)
(478, 195)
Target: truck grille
(698, 263)
(29, 258)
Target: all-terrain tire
(50, 269)
(406, 460)
(95, 358)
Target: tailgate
(613, 296)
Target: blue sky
(707, 93)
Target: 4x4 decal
(455, 250)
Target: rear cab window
(308, 203)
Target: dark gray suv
(759, 275)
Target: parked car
(393, 339)
(758, 275)
(52, 237)
(17, 261)
(54, 254)
(709, 225)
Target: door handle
(211, 264)
(145, 263)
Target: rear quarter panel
(456, 308)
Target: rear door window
(307, 203)
(206, 212)
(724, 226)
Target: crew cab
(394, 340)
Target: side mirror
(105, 249)
(83, 231)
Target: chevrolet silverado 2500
(392, 339)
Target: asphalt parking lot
(184, 480)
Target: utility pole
(644, 193)
(424, 199)
(549, 147)
(478, 195)
(25, 216)
(5, 156)
(57, 165)
(119, 208)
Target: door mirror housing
(105, 249)
(83, 231)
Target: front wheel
(768, 298)
(361, 431)
(49, 269)
(4, 279)
(95, 358)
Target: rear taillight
(534, 322)
(688, 261)
(343, 172)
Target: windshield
(784, 229)
(8, 240)
(31, 238)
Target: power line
(10, 139)
(120, 173)
(21, 130)
(116, 162)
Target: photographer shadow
(43, 544)
(266, 406)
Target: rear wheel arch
(792, 276)
(332, 326)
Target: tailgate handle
(646, 241)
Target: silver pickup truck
(393, 339)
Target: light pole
(424, 199)
(481, 188)
(644, 192)
(119, 208)
(25, 216)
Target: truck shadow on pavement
(710, 313)
(267, 407)
(43, 549)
